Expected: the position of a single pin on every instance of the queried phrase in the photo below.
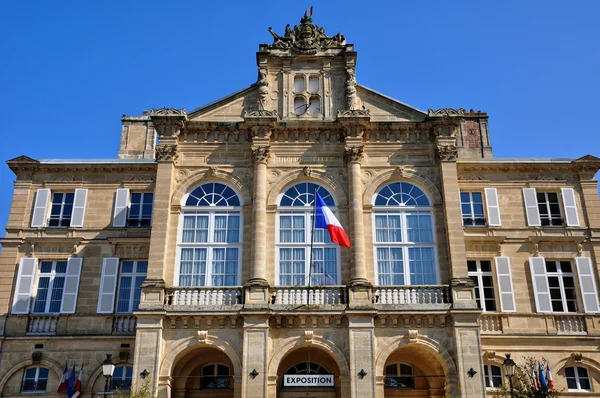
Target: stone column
(361, 336)
(468, 355)
(255, 356)
(148, 353)
(358, 271)
(258, 269)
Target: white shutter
(531, 207)
(541, 289)
(505, 285)
(568, 196)
(121, 207)
(25, 276)
(108, 285)
(493, 208)
(79, 203)
(587, 284)
(71, 289)
(40, 208)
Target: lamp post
(509, 367)
(108, 368)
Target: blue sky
(69, 70)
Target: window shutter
(79, 203)
(69, 301)
(493, 208)
(505, 285)
(40, 208)
(121, 206)
(108, 285)
(531, 207)
(587, 284)
(25, 276)
(540, 284)
(568, 196)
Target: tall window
(51, 282)
(471, 204)
(578, 379)
(493, 376)
(140, 209)
(62, 209)
(399, 375)
(215, 375)
(210, 240)
(480, 271)
(294, 237)
(121, 379)
(561, 282)
(35, 380)
(306, 95)
(549, 208)
(404, 238)
(132, 275)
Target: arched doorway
(414, 371)
(308, 372)
(204, 372)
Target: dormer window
(307, 100)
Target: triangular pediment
(227, 109)
(386, 109)
(587, 158)
(22, 159)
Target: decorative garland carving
(166, 153)
(446, 152)
(446, 112)
(260, 113)
(353, 113)
(168, 112)
(144, 177)
(353, 153)
(470, 177)
(261, 154)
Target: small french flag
(325, 219)
(308, 13)
(549, 378)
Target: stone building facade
(187, 257)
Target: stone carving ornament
(263, 89)
(446, 112)
(353, 154)
(446, 152)
(261, 154)
(168, 112)
(350, 89)
(166, 153)
(306, 38)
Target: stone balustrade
(312, 296)
(411, 295)
(198, 297)
(490, 323)
(570, 324)
(124, 323)
(42, 324)
(549, 324)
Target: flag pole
(312, 237)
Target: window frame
(307, 95)
(561, 275)
(306, 212)
(52, 275)
(471, 205)
(134, 275)
(123, 379)
(139, 218)
(399, 375)
(489, 377)
(479, 274)
(403, 211)
(61, 216)
(216, 376)
(36, 380)
(210, 245)
(550, 216)
(578, 378)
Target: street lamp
(509, 367)
(108, 368)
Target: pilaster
(256, 356)
(468, 354)
(148, 351)
(361, 336)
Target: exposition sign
(308, 380)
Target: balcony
(217, 298)
(42, 324)
(546, 324)
(433, 297)
(124, 324)
(300, 297)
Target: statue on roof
(306, 38)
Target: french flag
(325, 219)
(549, 378)
(64, 381)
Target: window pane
(299, 84)
(313, 84)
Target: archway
(203, 372)
(414, 370)
(308, 372)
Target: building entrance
(308, 373)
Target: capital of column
(261, 155)
(166, 153)
(446, 153)
(353, 154)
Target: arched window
(578, 379)
(210, 237)
(404, 236)
(215, 375)
(305, 368)
(35, 380)
(121, 379)
(399, 375)
(295, 224)
(493, 376)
